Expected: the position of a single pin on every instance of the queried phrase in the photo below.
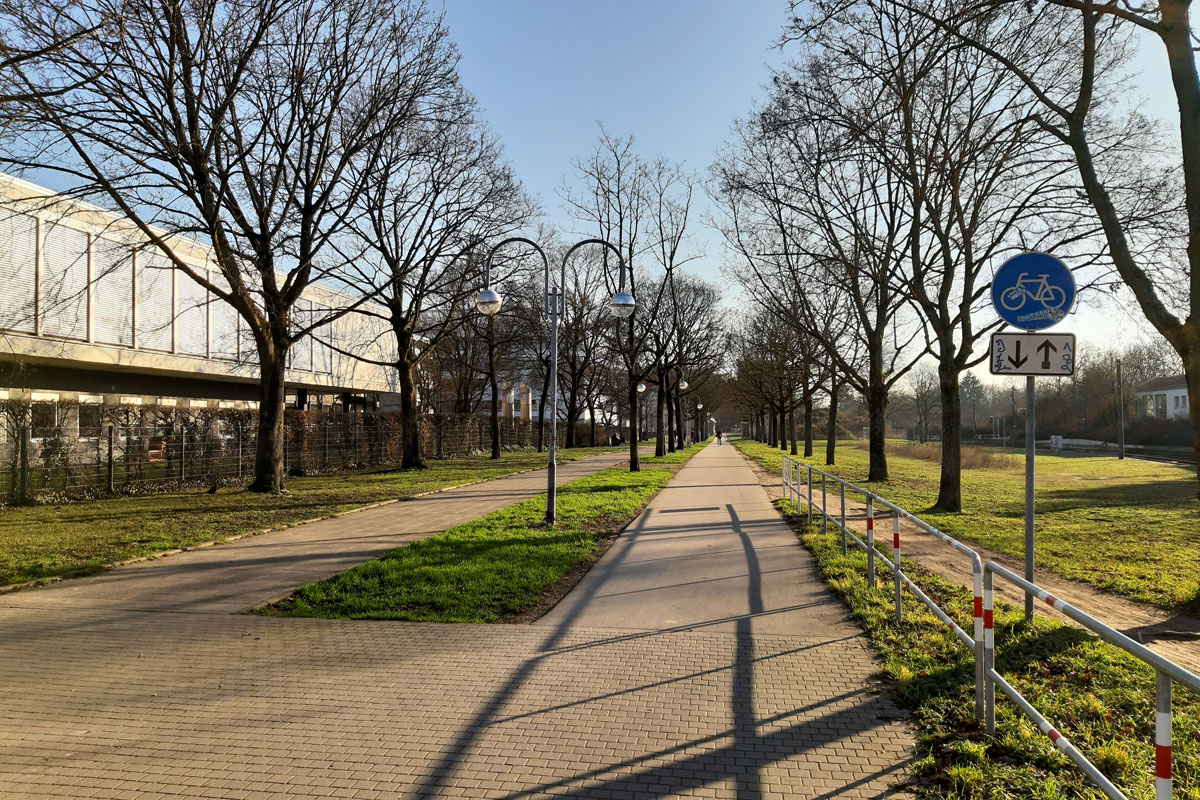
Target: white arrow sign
(1033, 354)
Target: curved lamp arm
(487, 267)
(610, 246)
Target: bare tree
(239, 122)
(1083, 44)
(641, 209)
(435, 191)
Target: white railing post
(896, 562)
(843, 517)
(1162, 735)
(870, 541)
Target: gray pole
(1012, 393)
(552, 299)
(1120, 414)
(1030, 434)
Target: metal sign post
(1032, 291)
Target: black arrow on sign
(1044, 348)
(1018, 361)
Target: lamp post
(489, 301)
(697, 435)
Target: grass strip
(84, 537)
(490, 569)
(1126, 527)
(1101, 698)
(680, 456)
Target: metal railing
(982, 642)
(1165, 671)
(792, 468)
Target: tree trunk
(784, 432)
(679, 431)
(877, 416)
(950, 485)
(410, 442)
(495, 391)
(634, 463)
(660, 410)
(791, 424)
(572, 418)
(268, 450)
(771, 428)
(541, 434)
(808, 424)
(1191, 374)
(670, 402)
(831, 430)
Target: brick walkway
(696, 695)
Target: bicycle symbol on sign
(1038, 290)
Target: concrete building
(1165, 398)
(91, 315)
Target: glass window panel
(156, 304)
(64, 282)
(224, 320)
(112, 292)
(18, 268)
(191, 320)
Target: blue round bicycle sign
(1033, 291)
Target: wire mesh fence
(78, 452)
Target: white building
(90, 314)
(1165, 398)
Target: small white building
(1165, 398)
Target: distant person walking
(718, 437)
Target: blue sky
(674, 74)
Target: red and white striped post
(1162, 735)
(871, 541)
(824, 507)
(896, 562)
(810, 496)
(843, 516)
(985, 661)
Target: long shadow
(749, 786)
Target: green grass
(45, 541)
(487, 570)
(1127, 527)
(1098, 696)
(680, 456)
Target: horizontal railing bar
(1108, 634)
(1060, 741)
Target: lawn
(44, 541)
(1099, 697)
(490, 569)
(1128, 527)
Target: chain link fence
(60, 451)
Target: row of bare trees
(907, 150)
(331, 143)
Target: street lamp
(641, 387)
(488, 302)
(683, 385)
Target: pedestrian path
(701, 657)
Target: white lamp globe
(683, 386)
(641, 387)
(699, 405)
(622, 305)
(488, 302)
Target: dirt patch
(1173, 634)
